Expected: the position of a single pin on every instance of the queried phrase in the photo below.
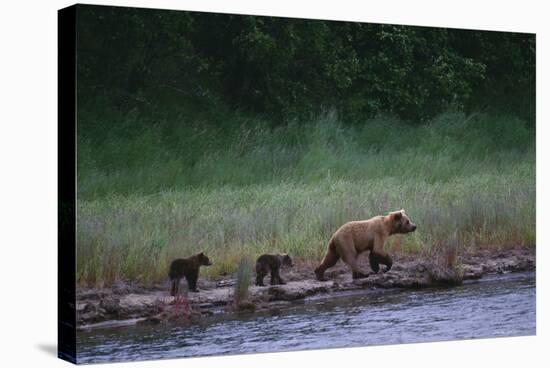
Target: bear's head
(286, 260)
(203, 259)
(400, 223)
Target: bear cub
(271, 263)
(188, 268)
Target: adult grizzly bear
(355, 237)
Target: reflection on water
(501, 305)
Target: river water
(497, 305)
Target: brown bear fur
(356, 237)
(271, 263)
(188, 268)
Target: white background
(28, 180)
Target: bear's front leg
(388, 262)
(192, 282)
(373, 261)
(276, 277)
(380, 256)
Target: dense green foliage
(240, 151)
(138, 59)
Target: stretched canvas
(234, 184)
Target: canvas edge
(66, 175)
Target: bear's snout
(413, 227)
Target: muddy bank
(125, 303)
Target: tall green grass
(242, 281)
(149, 193)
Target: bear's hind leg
(260, 274)
(174, 290)
(328, 261)
(351, 260)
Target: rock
(89, 308)
(472, 272)
(245, 306)
(297, 290)
(280, 293)
(362, 282)
(121, 288)
(93, 294)
(153, 320)
(110, 306)
(439, 275)
(225, 283)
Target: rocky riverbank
(126, 303)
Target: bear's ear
(397, 215)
